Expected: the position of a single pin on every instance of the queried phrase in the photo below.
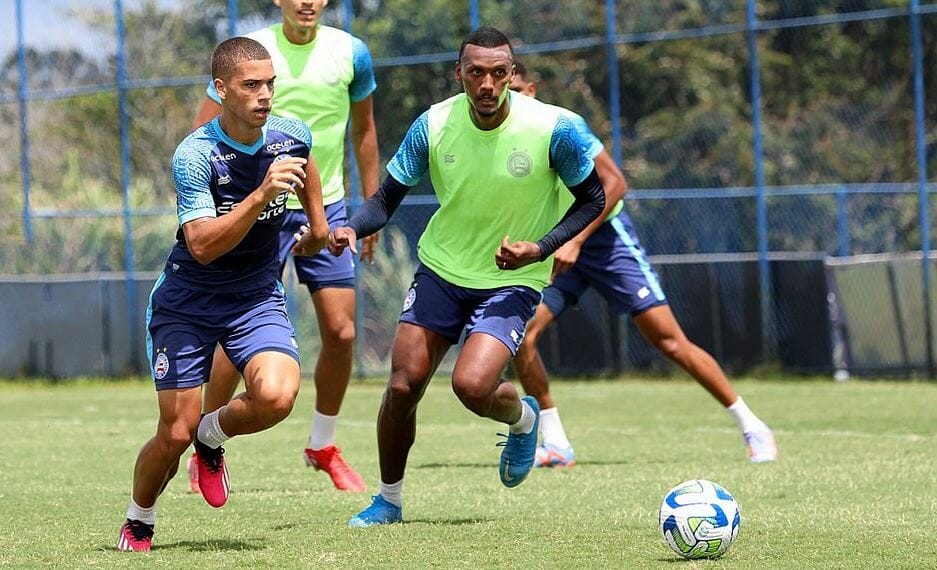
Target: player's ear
(458, 71)
(219, 88)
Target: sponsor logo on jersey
(273, 208)
(448, 158)
(519, 164)
(161, 366)
(224, 179)
(223, 157)
(281, 146)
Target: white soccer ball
(699, 519)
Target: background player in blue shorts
(324, 77)
(608, 256)
(220, 283)
(495, 161)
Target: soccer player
(495, 162)
(220, 283)
(323, 76)
(608, 256)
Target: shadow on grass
(495, 465)
(214, 545)
(449, 522)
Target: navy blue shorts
(184, 325)
(322, 269)
(613, 261)
(446, 309)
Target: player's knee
(340, 337)
(276, 405)
(176, 436)
(671, 347)
(473, 395)
(406, 384)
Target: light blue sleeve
(363, 83)
(412, 159)
(191, 172)
(593, 145)
(212, 93)
(568, 154)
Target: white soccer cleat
(761, 446)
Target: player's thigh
(480, 364)
(179, 414)
(415, 355)
(272, 376)
(335, 312)
(657, 324)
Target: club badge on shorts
(411, 297)
(161, 366)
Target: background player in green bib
(608, 256)
(324, 75)
(495, 162)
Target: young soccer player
(608, 256)
(495, 162)
(220, 283)
(324, 75)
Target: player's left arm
(570, 159)
(315, 235)
(364, 132)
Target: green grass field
(854, 487)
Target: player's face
(301, 14)
(521, 85)
(248, 93)
(485, 74)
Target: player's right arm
(210, 108)
(208, 237)
(404, 171)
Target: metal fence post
(124, 120)
(24, 131)
(474, 15)
(232, 18)
(923, 198)
(614, 89)
(842, 220)
(751, 32)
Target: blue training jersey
(213, 174)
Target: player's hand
(340, 238)
(565, 257)
(516, 255)
(306, 242)
(368, 247)
(283, 176)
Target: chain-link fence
(744, 127)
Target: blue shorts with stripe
(449, 310)
(613, 261)
(184, 325)
(322, 269)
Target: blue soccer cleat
(381, 511)
(520, 449)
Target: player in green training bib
(496, 161)
(324, 76)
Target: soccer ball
(699, 519)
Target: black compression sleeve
(374, 213)
(590, 201)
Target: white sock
(393, 492)
(746, 419)
(209, 430)
(322, 433)
(137, 513)
(526, 423)
(552, 428)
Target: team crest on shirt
(161, 366)
(520, 164)
(411, 297)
